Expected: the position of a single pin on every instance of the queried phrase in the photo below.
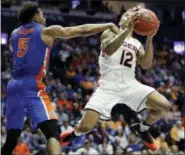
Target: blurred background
(73, 73)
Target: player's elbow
(146, 65)
(109, 50)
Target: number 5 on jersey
(22, 47)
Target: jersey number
(22, 46)
(128, 59)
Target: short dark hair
(27, 12)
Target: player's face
(125, 17)
(40, 18)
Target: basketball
(147, 23)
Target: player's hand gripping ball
(147, 23)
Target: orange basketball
(148, 22)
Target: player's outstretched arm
(57, 31)
(145, 59)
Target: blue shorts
(27, 96)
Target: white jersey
(120, 66)
(117, 83)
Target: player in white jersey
(118, 86)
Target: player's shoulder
(135, 41)
(14, 33)
(106, 33)
(15, 30)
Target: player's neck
(129, 34)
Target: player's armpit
(106, 38)
(142, 60)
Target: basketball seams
(144, 33)
(147, 21)
(139, 28)
(146, 27)
(149, 12)
(154, 17)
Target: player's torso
(30, 53)
(120, 67)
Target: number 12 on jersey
(128, 59)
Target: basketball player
(117, 84)
(32, 43)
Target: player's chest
(124, 51)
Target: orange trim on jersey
(41, 87)
(42, 72)
(50, 112)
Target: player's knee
(165, 105)
(84, 127)
(50, 129)
(54, 135)
(158, 102)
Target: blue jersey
(26, 91)
(30, 53)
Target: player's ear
(36, 17)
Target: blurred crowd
(97, 5)
(72, 77)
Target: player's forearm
(115, 43)
(147, 60)
(92, 29)
(56, 31)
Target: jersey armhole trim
(43, 40)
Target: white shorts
(105, 97)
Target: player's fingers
(134, 17)
(158, 26)
(137, 8)
(155, 31)
(136, 21)
(134, 8)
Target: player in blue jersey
(31, 43)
